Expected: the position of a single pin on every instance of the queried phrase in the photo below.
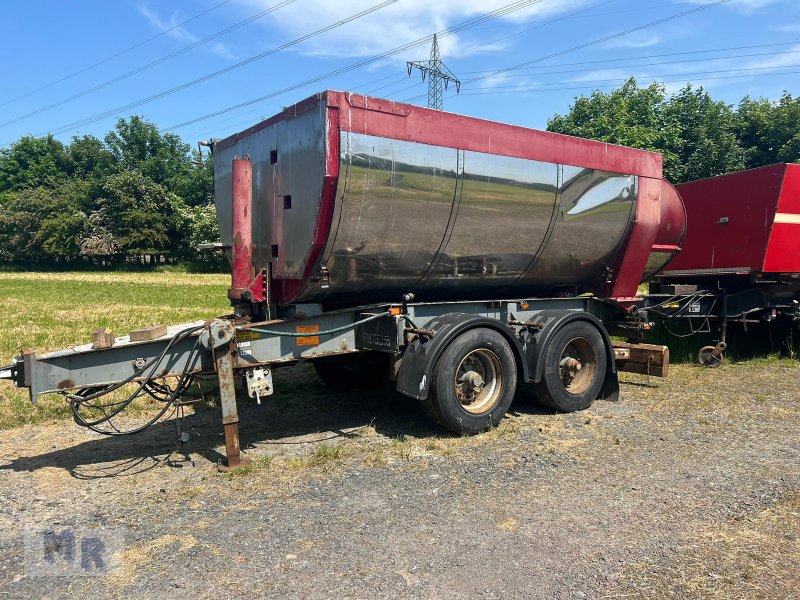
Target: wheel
(349, 371)
(575, 363)
(473, 382)
(709, 358)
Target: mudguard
(534, 343)
(416, 368)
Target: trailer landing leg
(230, 416)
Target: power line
(509, 8)
(494, 41)
(537, 26)
(591, 43)
(399, 78)
(228, 69)
(660, 64)
(151, 64)
(686, 52)
(120, 53)
(531, 89)
(611, 36)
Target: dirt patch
(689, 487)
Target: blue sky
(738, 48)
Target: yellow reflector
(394, 311)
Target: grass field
(49, 311)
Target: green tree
(203, 228)
(137, 144)
(30, 162)
(143, 217)
(42, 226)
(707, 144)
(630, 116)
(196, 186)
(769, 131)
(696, 134)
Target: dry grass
(50, 311)
(755, 556)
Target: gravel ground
(689, 487)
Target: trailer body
(358, 200)
(741, 224)
(740, 261)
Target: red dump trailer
(741, 257)
(456, 257)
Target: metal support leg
(230, 416)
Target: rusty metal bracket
(230, 415)
(536, 325)
(417, 331)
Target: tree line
(698, 136)
(139, 196)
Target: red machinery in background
(741, 255)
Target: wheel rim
(478, 381)
(577, 366)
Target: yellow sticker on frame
(312, 340)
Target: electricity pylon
(439, 76)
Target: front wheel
(473, 382)
(574, 368)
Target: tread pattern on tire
(441, 405)
(552, 353)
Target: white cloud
(785, 28)
(635, 40)
(713, 73)
(396, 24)
(160, 23)
(744, 6)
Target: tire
(568, 387)
(363, 370)
(473, 382)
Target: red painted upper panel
(386, 118)
(732, 222)
(396, 120)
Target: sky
(210, 68)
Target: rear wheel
(473, 382)
(574, 368)
(361, 370)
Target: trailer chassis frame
(234, 346)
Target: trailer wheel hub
(477, 381)
(577, 365)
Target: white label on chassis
(381, 341)
(694, 307)
(245, 348)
